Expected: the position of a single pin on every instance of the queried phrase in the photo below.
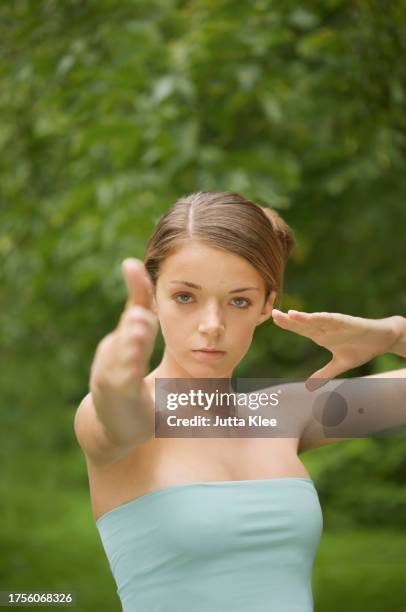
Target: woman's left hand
(351, 340)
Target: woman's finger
(309, 323)
(303, 325)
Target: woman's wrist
(399, 327)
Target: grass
(361, 570)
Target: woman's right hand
(122, 357)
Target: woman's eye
(179, 299)
(247, 302)
(181, 295)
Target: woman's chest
(169, 462)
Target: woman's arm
(342, 409)
(350, 408)
(118, 413)
(399, 346)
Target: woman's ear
(266, 311)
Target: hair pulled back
(228, 221)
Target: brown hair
(225, 220)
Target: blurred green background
(109, 111)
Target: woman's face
(220, 311)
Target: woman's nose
(212, 322)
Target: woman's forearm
(130, 422)
(399, 346)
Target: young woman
(208, 524)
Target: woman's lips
(208, 355)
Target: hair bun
(282, 230)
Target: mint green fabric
(228, 546)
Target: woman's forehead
(203, 264)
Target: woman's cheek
(245, 341)
(175, 335)
(167, 331)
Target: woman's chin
(208, 370)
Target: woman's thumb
(139, 289)
(322, 376)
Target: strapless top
(224, 546)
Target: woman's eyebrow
(189, 284)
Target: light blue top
(225, 546)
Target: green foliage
(360, 569)
(363, 482)
(111, 112)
